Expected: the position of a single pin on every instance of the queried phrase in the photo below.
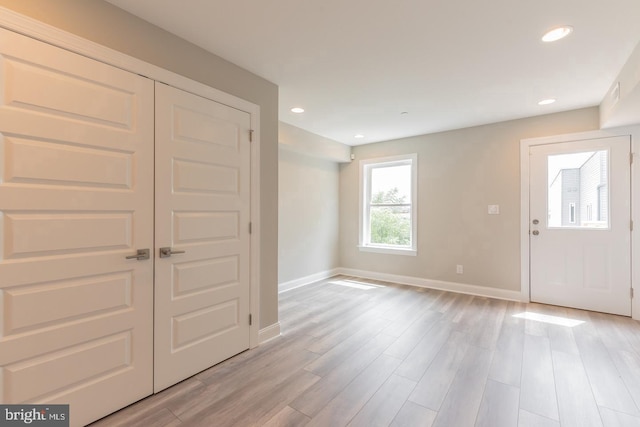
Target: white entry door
(76, 199)
(580, 236)
(202, 216)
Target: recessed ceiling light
(359, 136)
(404, 113)
(297, 110)
(557, 33)
(547, 101)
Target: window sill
(387, 250)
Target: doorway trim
(525, 144)
(46, 33)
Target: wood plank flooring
(392, 355)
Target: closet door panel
(202, 214)
(76, 199)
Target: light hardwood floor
(394, 355)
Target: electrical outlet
(459, 269)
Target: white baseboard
(269, 333)
(307, 280)
(461, 288)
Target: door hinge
(631, 225)
(250, 135)
(630, 158)
(631, 292)
(250, 228)
(250, 320)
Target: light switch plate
(493, 209)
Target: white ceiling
(356, 65)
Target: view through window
(578, 190)
(389, 205)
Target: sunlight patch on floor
(355, 284)
(554, 320)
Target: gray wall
(570, 195)
(459, 173)
(109, 26)
(591, 180)
(554, 206)
(308, 215)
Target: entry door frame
(30, 27)
(525, 220)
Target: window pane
(578, 182)
(391, 225)
(391, 184)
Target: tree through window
(388, 195)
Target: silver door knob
(167, 252)
(141, 254)
(535, 232)
(536, 222)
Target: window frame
(366, 166)
(572, 213)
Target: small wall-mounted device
(615, 93)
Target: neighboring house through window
(578, 190)
(388, 204)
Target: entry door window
(578, 182)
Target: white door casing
(203, 164)
(581, 266)
(76, 198)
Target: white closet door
(202, 213)
(76, 198)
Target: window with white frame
(572, 213)
(388, 205)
